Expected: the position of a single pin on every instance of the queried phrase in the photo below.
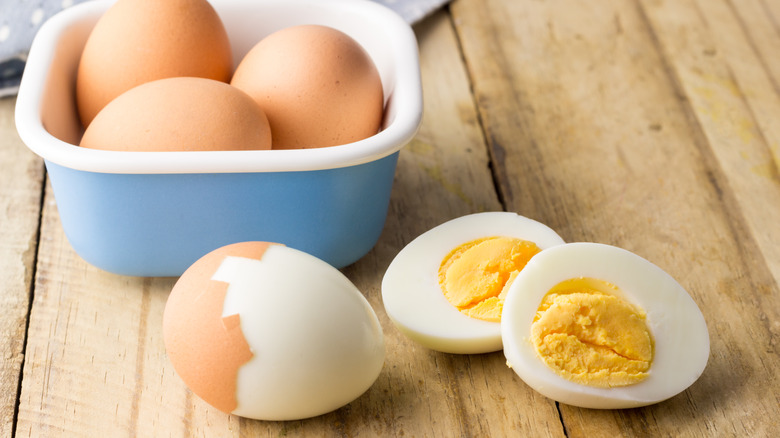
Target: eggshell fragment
(180, 114)
(206, 348)
(138, 41)
(678, 328)
(268, 332)
(317, 85)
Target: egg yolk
(476, 275)
(589, 335)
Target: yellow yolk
(589, 335)
(476, 275)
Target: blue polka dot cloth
(21, 19)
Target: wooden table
(653, 125)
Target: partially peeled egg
(265, 331)
(596, 326)
(445, 289)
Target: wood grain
(628, 127)
(21, 180)
(89, 340)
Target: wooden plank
(732, 93)
(721, 63)
(21, 182)
(759, 28)
(88, 341)
(598, 140)
(97, 364)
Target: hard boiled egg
(597, 326)
(268, 332)
(445, 289)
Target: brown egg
(317, 85)
(265, 331)
(138, 41)
(180, 114)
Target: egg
(445, 289)
(596, 326)
(180, 114)
(265, 331)
(138, 41)
(317, 85)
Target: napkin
(21, 19)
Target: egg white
(681, 340)
(414, 300)
(316, 342)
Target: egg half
(445, 289)
(268, 332)
(596, 326)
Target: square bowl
(155, 213)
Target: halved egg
(596, 326)
(445, 289)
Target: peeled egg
(317, 85)
(180, 114)
(596, 326)
(268, 332)
(445, 289)
(138, 41)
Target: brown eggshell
(206, 349)
(138, 41)
(317, 85)
(180, 114)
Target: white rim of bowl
(406, 95)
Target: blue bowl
(159, 224)
(155, 213)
